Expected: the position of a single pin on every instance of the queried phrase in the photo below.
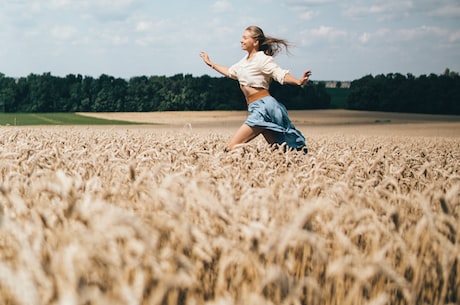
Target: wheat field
(146, 215)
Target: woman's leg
(270, 137)
(243, 135)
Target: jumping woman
(254, 73)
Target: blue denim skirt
(269, 114)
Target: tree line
(77, 93)
(394, 92)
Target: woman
(254, 73)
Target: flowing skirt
(269, 114)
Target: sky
(338, 40)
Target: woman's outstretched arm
(289, 79)
(221, 69)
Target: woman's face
(248, 43)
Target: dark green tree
(7, 94)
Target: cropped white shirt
(258, 71)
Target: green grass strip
(27, 119)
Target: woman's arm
(221, 69)
(289, 79)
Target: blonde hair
(269, 45)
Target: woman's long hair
(269, 45)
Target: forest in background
(77, 93)
(394, 92)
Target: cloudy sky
(338, 40)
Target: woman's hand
(205, 58)
(305, 77)
(221, 69)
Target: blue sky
(338, 40)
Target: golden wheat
(145, 216)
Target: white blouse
(258, 71)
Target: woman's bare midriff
(253, 94)
(247, 90)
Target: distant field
(306, 117)
(308, 121)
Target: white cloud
(377, 38)
(145, 25)
(118, 40)
(90, 4)
(32, 33)
(306, 14)
(450, 10)
(454, 36)
(308, 2)
(63, 32)
(364, 38)
(377, 9)
(411, 34)
(307, 10)
(427, 38)
(58, 4)
(372, 10)
(221, 6)
(323, 33)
